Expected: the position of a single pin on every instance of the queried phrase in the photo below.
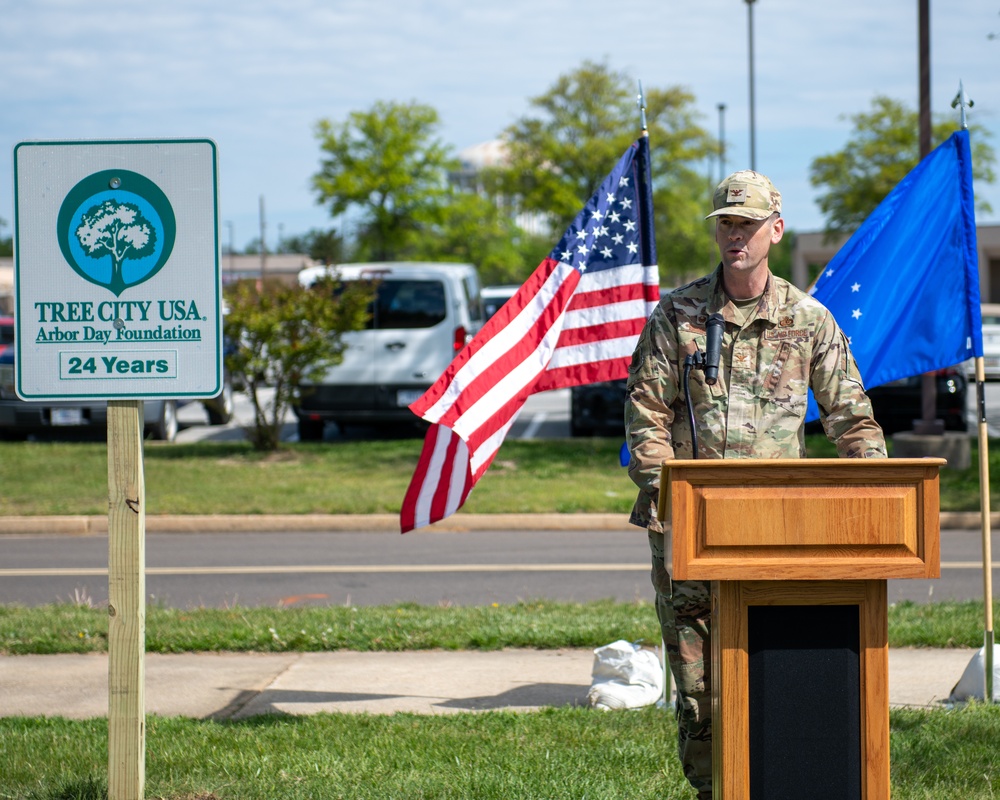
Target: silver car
(991, 344)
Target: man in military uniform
(777, 343)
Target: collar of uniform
(718, 300)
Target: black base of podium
(805, 702)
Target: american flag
(576, 320)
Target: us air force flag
(905, 286)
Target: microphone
(713, 330)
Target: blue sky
(256, 76)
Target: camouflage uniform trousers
(684, 609)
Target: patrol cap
(746, 194)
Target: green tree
(284, 335)
(884, 146)
(480, 230)
(779, 258)
(562, 150)
(6, 244)
(388, 166)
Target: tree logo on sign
(116, 229)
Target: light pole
(753, 140)
(722, 142)
(232, 268)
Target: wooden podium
(798, 552)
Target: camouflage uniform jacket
(756, 409)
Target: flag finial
(963, 102)
(640, 102)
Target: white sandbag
(625, 676)
(972, 684)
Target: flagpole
(984, 502)
(640, 101)
(963, 102)
(645, 189)
(645, 195)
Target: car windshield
(403, 303)
(6, 334)
(408, 304)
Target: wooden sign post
(126, 602)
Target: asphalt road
(477, 568)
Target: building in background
(473, 160)
(284, 266)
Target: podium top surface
(803, 519)
(802, 463)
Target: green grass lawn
(570, 753)
(555, 753)
(561, 476)
(537, 624)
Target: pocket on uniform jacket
(784, 379)
(691, 341)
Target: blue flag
(905, 287)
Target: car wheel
(220, 408)
(311, 430)
(165, 428)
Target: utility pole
(928, 424)
(232, 260)
(263, 244)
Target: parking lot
(545, 416)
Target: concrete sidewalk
(236, 686)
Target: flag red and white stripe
(576, 320)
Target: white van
(423, 314)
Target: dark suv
(597, 409)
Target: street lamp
(753, 141)
(722, 142)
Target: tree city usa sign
(118, 292)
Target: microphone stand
(695, 360)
